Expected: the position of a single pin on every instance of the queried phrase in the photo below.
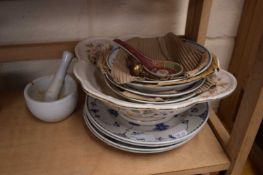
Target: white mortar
(53, 111)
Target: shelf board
(29, 146)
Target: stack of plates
(161, 91)
(108, 126)
(147, 116)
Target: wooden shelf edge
(77, 142)
(37, 51)
(218, 128)
(204, 170)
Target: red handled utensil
(159, 68)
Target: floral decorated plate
(127, 147)
(88, 74)
(150, 88)
(181, 127)
(170, 93)
(140, 98)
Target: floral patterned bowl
(92, 82)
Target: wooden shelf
(29, 146)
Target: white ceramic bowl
(53, 111)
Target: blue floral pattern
(172, 137)
(116, 124)
(94, 110)
(161, 127)
(113, 112)
(110, 122)
(194, 109)
(204, 115)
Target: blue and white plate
(181, 127)
(128, 147)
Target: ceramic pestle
(56, 84)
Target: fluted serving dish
(92, 82)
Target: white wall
(63, 20)
(34, 21)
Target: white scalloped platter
(87, 74)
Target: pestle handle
(58, 80)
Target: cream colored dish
(87, 74)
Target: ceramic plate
(146, 121)
(115, 51)
(151, 88)
(179, 128)
(127, 147)
(149, 118)
(166, 100)
(158, 94)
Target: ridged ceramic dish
(139, 99)
(188, 90)
(153, 88)
(205, 66)
(88, 75)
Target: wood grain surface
(197, 20)
(36, 51)
(244, 58)
(29, 146)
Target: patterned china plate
(150, 88)
(166, 100)
(178, 129)
(127, 147)
(158, 94)
(88, 75)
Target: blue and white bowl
(179, 128)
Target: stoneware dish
(146, 87)
(153, 88)
(181, 127)
(116, 49)
(165, 100)
(188, 90)
(52, 111)
(88, 75)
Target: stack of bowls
(155, 116)
(160, 92)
